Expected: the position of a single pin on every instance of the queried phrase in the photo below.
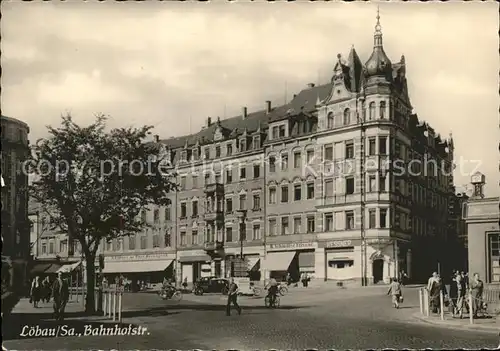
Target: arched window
(330, 121)
(371, 113)
(347, 116)
(382, 110)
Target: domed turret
(378, 65)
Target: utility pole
(364, 258)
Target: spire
(378, 31)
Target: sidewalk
(488, 325)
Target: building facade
(343, 182)
(15, 224)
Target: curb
(469, 327)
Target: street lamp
(243, 218)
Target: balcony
(213, 246)
(214, 188)
(214, 215)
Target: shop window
(494, 257)
(340, 264)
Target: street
(340, 319)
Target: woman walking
(36, 289)
(396, 292)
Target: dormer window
(189, 154)
(196, 154)
(229, 150)
(282, 132)
(256, 142)
(243, 145)
(207, 153)
(330, 121)
(217, 151)
(184, 155)
(275, 132)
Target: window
(256, 202)
(282, 131)
(328, 222)
(310, 156)
(330, 121)
(371, 147)
(183, 239)
(195, 181)
(44, 245)
(371, 219)
(275, 133)
(310, 224)
(243, 145)
(284, 193)
(349, 220)
(347, 116)
(272, 226)
(194, 236)
(382, 145)
(272, 164)
(156, 241)
(156, 216)
(340, 264)
(381, 183)
(382, 109)
(217, 151)
(167, 214)
(349, 185)
(243, 173)
(207, 153)
(243, 200)
(297, 192)
(310, 191)
(256, 171)
(272, 195)
(131, 242)
(297, 159)
(229, 149)
(372, 183)
(63, 245)
(297, 223)
(349, 150)
(256, 232)
(329, 188)
(256, 142)
(229, 234)
(207, 178)
(284, 162)
(194, 208)
(229, 176)
(143, 242)
(284, 226)
(229, 205)
(371, 113)
(183, 210)
(383, 218)
(329, 153)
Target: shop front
(290, 258)
(253, 256)
(194, 265)
(144, 268)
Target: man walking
(60, 294)
(232, 298)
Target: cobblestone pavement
(341, 319)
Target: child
(396, 292)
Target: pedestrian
(185, 283)
(46, 287)
(60, 294)
(396, 292)
(477, 288)
(454, 293)
(232, 298)
(288, 278)
(461, 295)
(36, 291)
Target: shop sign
(340, 243)
(191, 253)
(293, 246)
(136, 257)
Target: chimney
(310, 85)
(157, 138)
(244, 112)
(209, 122)
(268, 106)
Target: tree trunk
(90, 298)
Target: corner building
(343, 182)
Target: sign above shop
(138, 257)
(292, 246)
(339, 243)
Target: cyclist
(272, 291)
(168, 288)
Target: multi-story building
(343, 181)
(15, 225)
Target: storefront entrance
(378, 270)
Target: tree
(94, 184)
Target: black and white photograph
(250, 175)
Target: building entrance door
(378, 270)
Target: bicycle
(176, 295)
(283, 290)
(276, 304)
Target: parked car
(211, 285)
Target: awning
(200, 258)
(40, 268)
(136, 266)
(253, 263)
(68, 268)
(279, 261)
(307, 260)
(54, 267)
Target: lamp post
(243, 218)
(361, 120)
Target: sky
(172, 65)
